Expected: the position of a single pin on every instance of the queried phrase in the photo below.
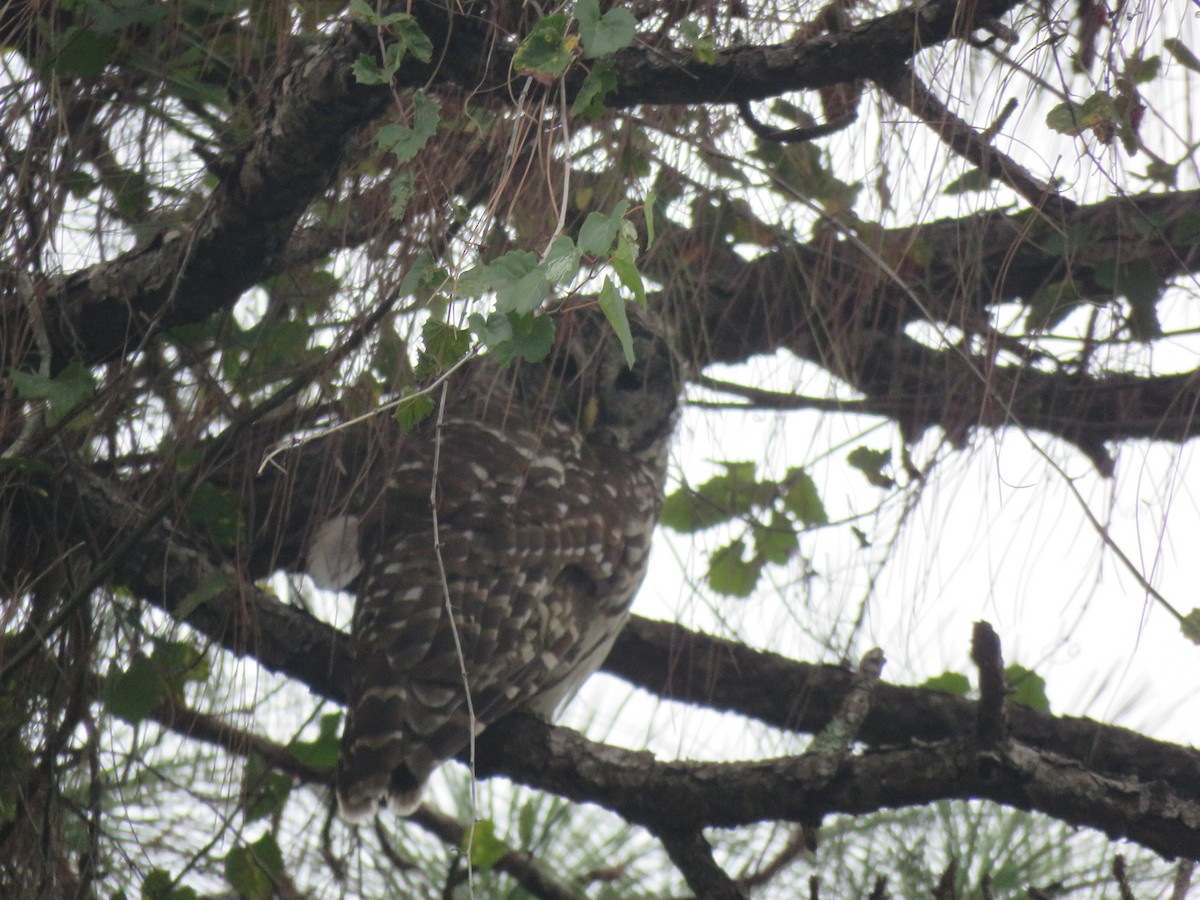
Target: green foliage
(212, 586)
(603, 35)
(802, 499)
(799, 170)
(1026, 687)
(412, 410)
(972, 180)
(71, 387)
(404, 141)
(264, 792)
(1103, 114)
(407, 39)
(589, 101)
(547, 50)
(485, 847)
(1052, 303)
(723, 497)
(773, 512)
(872, 463)
(1181, 54)
(701, 42)
(320, 754)
(159, 885)
(599, 230)
(1141, 286)
(149, 681)
(612, 305)
(1190, 626)
(83, 53)
(948, 682)
(253, 870)
(218, 511)
(134, 693)
(561, 264)
(443, 346)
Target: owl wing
(539, 558)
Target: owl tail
(365, 781)
(377, 760)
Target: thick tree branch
(726, 675)
(1075, 770)
(685, 796)
(872, 49)
(184, 275)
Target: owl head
(587, 381)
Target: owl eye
(629, 380)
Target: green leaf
(1190, 626)
(949, 683)
(264, 792)
(159, 885)
(612, 305)
(405, 141)
(1143, 288)
(268, 855)
(178, 662)
(1097, 112)
(802, 499)
(246, 876)
(83, 53)
(777, 542)
(701, 44)
(444, 345)
(562, 260)
(409, 36)
(599, 231)
(1026, 687)
(367, 70)
(1139, 70)
(322, 753)
(526, 822)
(218, 511)
(400, 192)
(533, 336)
(62, 393)
(630, 277)
(212, 586)
(719, 499)
(133, 694)
(423, 278)
(520, 282)
(412, 410)
(729, 573)
(1053, 303)
(974, 180)
(486, 848)
(872, 463)
(602, 35)
(1181, 54)
(546, 51)
(601, 81)
(648, 210)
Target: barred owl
(549, 483)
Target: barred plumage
(549, 484)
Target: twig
(990, 726)
(911, 93)
(793, 135)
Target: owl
(547, 481)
